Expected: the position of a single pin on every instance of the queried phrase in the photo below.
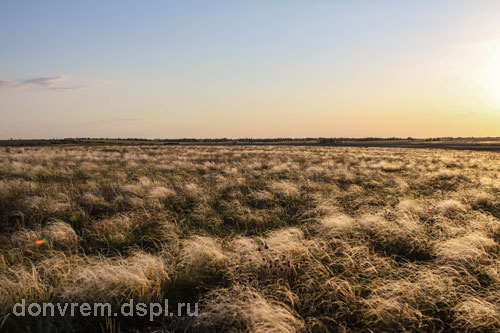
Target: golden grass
(265, 238)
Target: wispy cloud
(61, 82)
(6, 84)
(47, 82)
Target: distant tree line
(280, 140)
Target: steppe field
(264, 238)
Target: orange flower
(40, 242)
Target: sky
(214, 69)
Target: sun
(491, 76)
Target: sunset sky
(172, 69)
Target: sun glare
(491, 76)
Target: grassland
(265, 238)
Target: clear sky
(170, 69)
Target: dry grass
(267, 239)
(142, 277)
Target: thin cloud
(47, 82)
(6, 84)
(52, 83)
